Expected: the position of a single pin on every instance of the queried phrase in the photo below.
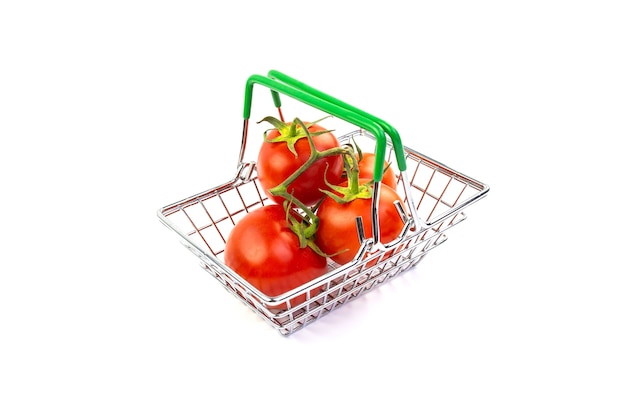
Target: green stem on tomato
(353, 189)
(305, 229)
(306, 226)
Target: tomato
(276, 162)
(263, 250)
(337, 234)
(366, 170)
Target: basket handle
(391, 131)
(352, 116)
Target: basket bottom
(339, 289)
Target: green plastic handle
(391, 131)
(349, 115)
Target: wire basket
(435, 195)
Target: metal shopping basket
(434, 194)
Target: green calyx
(290, 133)
(353, 189)
(304, 227)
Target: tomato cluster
(317, 189)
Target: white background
(111, 110)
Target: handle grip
(391, 131)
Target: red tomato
(366, 170)
(337, 233)
(276, 163)
(265, 252)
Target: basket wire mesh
(435, 193)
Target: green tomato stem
(306, 229)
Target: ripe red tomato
(265, 252)
(337, 233)
(276, 163)
(366, 170)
